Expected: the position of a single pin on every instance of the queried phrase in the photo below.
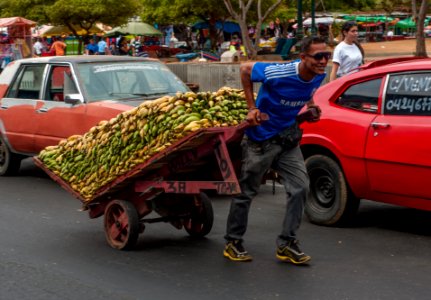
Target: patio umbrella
(134, 28)
(64, 30)
(4, 22)
(409, 23)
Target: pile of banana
(112, 148)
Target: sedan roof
(401, 66)
(83, 59)
(382, 67)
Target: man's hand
(253, 117)
(316, 112)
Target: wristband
(252, 108)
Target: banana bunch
(113, 147)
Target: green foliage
(182, 11)
(284, 12)
(30, 9)
(345, 6)
(110, 12)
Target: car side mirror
(73, 99)
(194, 87)
(71, 93)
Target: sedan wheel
(9, 162)
(330, 202)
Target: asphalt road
(51, 250)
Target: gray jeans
(257, 159)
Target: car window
(28, 83)
(408, 94)
(55, 83)
(363, 96)
(127, 80)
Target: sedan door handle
(43, 109)
(377, 125)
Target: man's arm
(334, 70)
(253, 116)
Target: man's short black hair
(308, 41)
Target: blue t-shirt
(101, 46)
(282, 95)
(93, 48)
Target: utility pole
(313, 18)
(300, 28)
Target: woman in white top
(349, 54)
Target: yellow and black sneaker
(236, 252)
(291, 253)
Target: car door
(398, 148)
(357, 108)
(57, 118)
(17, 108)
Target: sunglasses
(320, 55)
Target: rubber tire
(10, 163)
(130, 233)
(330, 201)
(202, 218)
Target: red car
(373, 140)
(44, 100)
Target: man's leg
(257, 159)
(291, 168)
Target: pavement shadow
(149, 243)
(28, 168)
(393, 218)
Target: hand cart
(170, 183)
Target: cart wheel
(121, 224)
(201, 220)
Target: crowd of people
(56, 46)
(191, 39)
(47, 47)
(348, 54)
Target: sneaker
(236, 252)
(292, 253)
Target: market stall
(17, 40)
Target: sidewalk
(380, 50)
(373, 51)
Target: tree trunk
(241, 18)
(420, 38)
(246, 41)
(213, 32)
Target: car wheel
(330, 202)
(9, 162)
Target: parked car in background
(373, 140)
(44, 100)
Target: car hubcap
(325, 190)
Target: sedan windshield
(128, 80)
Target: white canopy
(323, 20)
(318, 21)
